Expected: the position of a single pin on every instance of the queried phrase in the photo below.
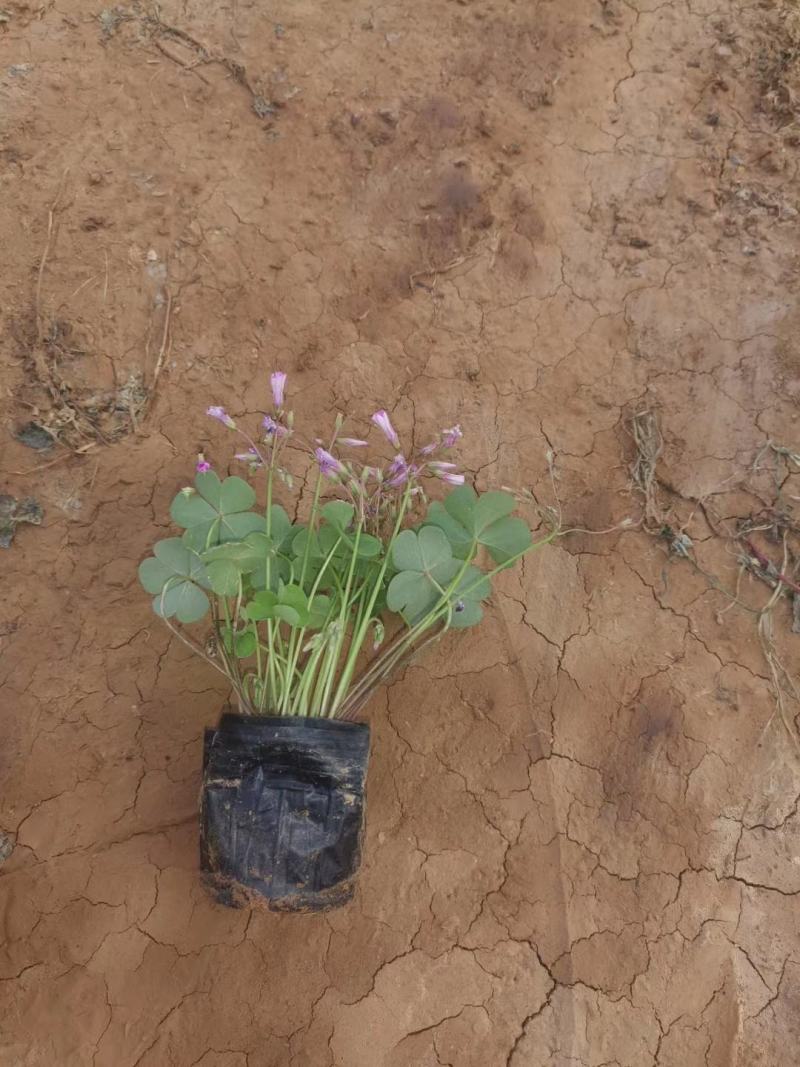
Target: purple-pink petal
(352, 442)
(452, 479)
(400, 471)
(384, 423)
(221, 415)
(329, 465)
(250, 456)
(273, 427)
(451, 436)
(277, 381)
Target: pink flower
(278, 381)
(352, 442)
(202, 466)
(273, 427)
(437, 466)
(250, 456)
(452, 479)
(428, 450)
(400, 471)
(329, 465)
(221, 415)
(384, 424)
(451, 436)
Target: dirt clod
(35, 436)
(14, 512)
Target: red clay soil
(537, 219)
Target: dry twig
(648, 441)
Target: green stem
(360, 694)
(342, 635)
(296, 639)
(389, 659)
(300, 634)
(270, 689)
(360, 632)
(230, 659)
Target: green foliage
(295, 603)
(469, 520)
(289, 604)
(177, 576)
(425, 565)
(430, 577)
(215, 511)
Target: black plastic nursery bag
(282, 810)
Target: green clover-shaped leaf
(224, 577)
(473, 587)
(319, 610)
(337, 518)
(469, 520)
(339, 514)
(281, 530)
(289, 604)
(175, 574)
(216, 511)
(262, 606)
(425, 565)
(244, 644)
(292, 606)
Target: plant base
(281, 812)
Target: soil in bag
(282, 810)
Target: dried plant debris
(35, 436)
(64, 399)
(644, 429)
(766, 543)
(13, 512)
(6, 846)
(778, 63)
(69, 410)
(111, 17)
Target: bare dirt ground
(536, 218)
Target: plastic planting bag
(282, 810)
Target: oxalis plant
(309, 618)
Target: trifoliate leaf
(411, 595)
(339, 514)
(426, 551)
(215, 511)
(186, 601)
(224, 577)
(153, 575)
(468, 520)
(244, 644)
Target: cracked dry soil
(582, 841)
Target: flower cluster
(402, 473)
(295, 601)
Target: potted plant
(308, 618)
